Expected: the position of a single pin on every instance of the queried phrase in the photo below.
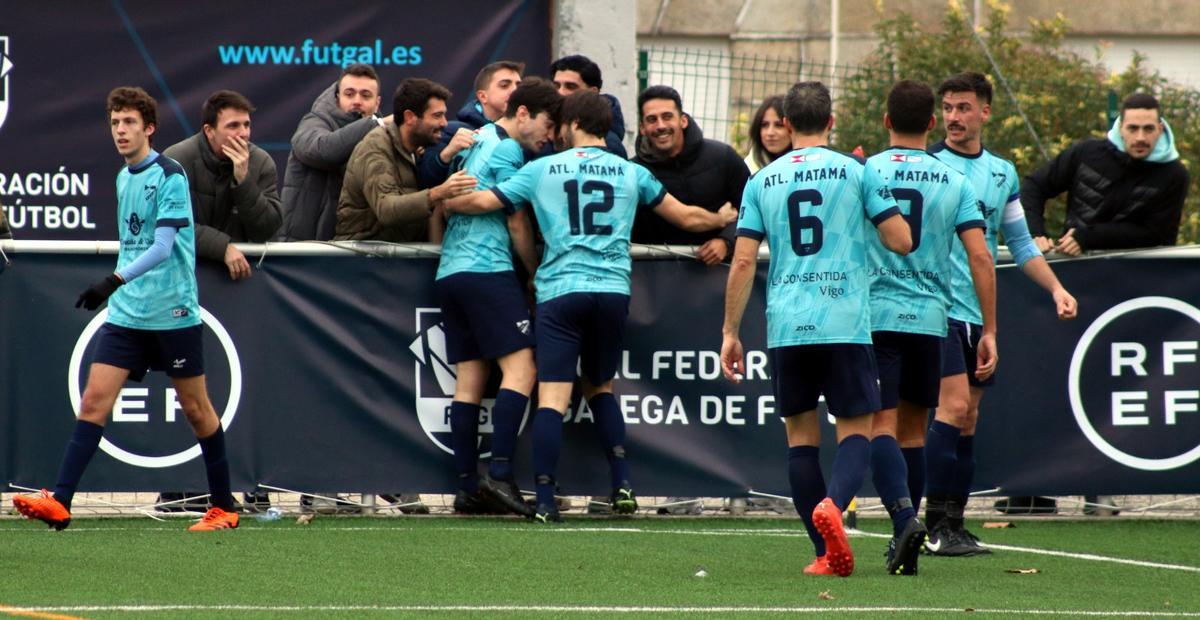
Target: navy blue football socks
(216, 467)
(891, 480)
(914, 460)
(941, 452)
(610, 425)
(84, 440)
(964, 467)
(506, 425)
(464, 439)
(547, 444)
(808, 488)
(849, 469)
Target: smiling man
(1123, 191)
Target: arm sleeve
(1160, 226)
(319, 147)
(431, 170)
(650, 191)
(506, 160)
(1052, 179)
(393, 204)
(257, 199)
(750, 221)
(164, 240)
(968, 214)
(877, 199)
(518, 190)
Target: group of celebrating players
(885, 326)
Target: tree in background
(1064, 96)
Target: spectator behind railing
(769, 137)
(1123, 191)
(696, 170)
(340, 118)
(381, 198)
(574, 73)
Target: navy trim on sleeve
(753, 234)
(878, 219)
(509, 207)
(657, 200)
(176, 222)
(969, 225)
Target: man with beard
(381, 197)
(696, 170)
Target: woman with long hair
(769, 137)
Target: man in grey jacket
(232, 182)
(340, 118)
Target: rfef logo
(435, 382)
(147, 419)
(1134, 383)
(6, 66)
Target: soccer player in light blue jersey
(585, 199)
(813, 206)
(477, 264)
(949, 448)
(909, 298)
(153, 315)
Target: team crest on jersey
(151, 192)
(135, 224)
(803, 157)
(912, 159)
(1000, 178)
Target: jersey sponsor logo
(147, 428)
(6, 66)
(435, 382)
(1140, 405)
(900, 157)
(803, 157)
(135, 224)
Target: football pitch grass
(494, 567)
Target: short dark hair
(133, 98)
(590, 109)
(484, 77)
(588, 71)
(221, 100)
(967, 82)
(910, 106)
(757, 149)
(660, 92)
(537, 95)
(808, 107)
(1141, 101)
(358, 70)
(413, 94)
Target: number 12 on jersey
(583, 220)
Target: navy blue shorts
(844, 373)
(587, 328)
(910, 368)
(484, 316)
(178, 352)
(958, 352)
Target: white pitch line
(594, 609)
(777, 533)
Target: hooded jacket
(706, 173)
(1113, 200)
(433, 171)
(224, 212)
(380, 198)
(312, 180)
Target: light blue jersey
(911, 293)
(812, 205)
(151, 194)
(585, 200)
(480, 243)
(998, 190)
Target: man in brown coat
(381, 199)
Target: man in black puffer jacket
(696, 170)
(1124, 191)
